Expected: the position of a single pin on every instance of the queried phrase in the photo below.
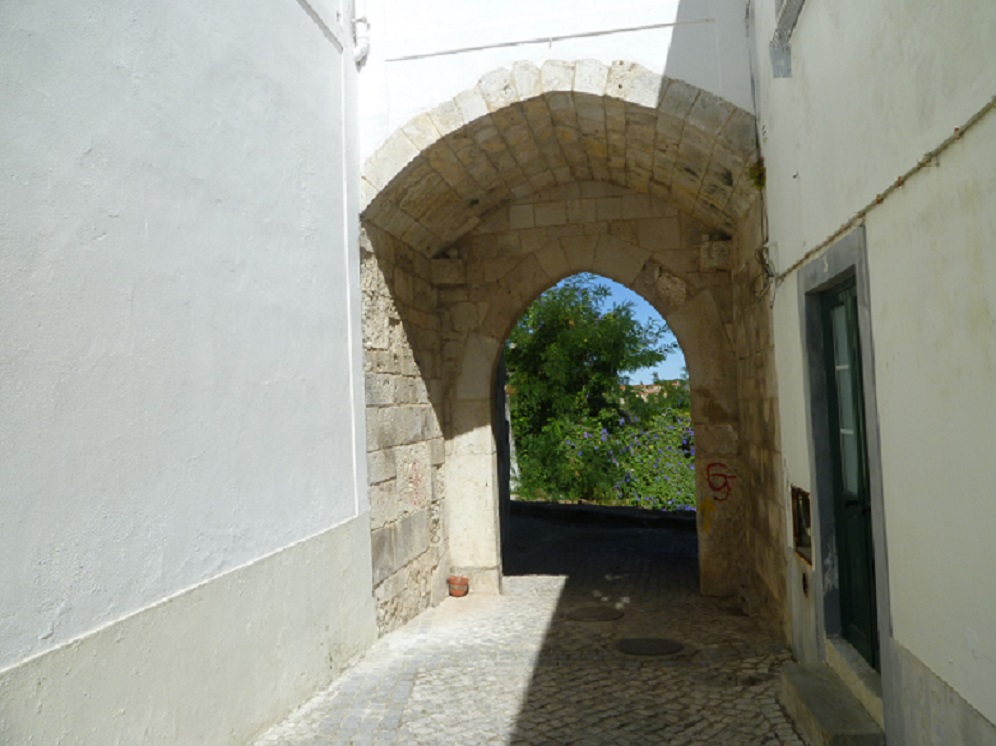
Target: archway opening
(468, 223)
(588, 428)
(593, 418)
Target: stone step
(824, 711)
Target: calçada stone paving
(516, 669)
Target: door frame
(842, 296)
(844, 259)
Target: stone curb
(604, 515)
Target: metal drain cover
(649, 646)
(595, 614)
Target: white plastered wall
(873, 88)
(702, 42)
(181, 423)
(933, 299)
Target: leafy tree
(567, 362)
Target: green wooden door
(852, 506)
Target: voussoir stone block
(580, 251)
(621, 260)
(421, 131)
(396, 153)
(678, 99)
(472, 105)
(644, 88)
(526, 77)
(591, 77)
(556, 75)
(553, 261)
(447, 118)
(709, 112)
(498, 89)
(739, 132)
(619, 78)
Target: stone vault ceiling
(523, 130)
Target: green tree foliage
(580, 431)
(568, 356)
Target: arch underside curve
(527, 129)
(472, 210)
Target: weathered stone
(464, 317)
(520, 216)
(660, 234)
(472, 105)
(396, 152)
(550, 213)
(421, 131)
(715, 256)
(709, 113)
(554, 262)
(449, 272)
(644, 89)
(610, 208)
(526, 77)
(619, 260)
(619, 79)
(590, 76)
(498, 89)
(556, 76)
(383, 550)
(412, 537)
(466, 189)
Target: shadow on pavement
(720, 687)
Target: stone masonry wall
(538, 173)
(405, 452)
(678, 264)
(766, 529)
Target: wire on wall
(928, 159)
(548, 39)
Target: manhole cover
(595, 614)
(649, 646)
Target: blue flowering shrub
(642, 462)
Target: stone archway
(473, 209)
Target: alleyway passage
(516, 669)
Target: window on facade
(787, 14)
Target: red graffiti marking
(720, 479)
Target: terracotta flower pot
(459, 585)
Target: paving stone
(514, 669)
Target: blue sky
(671, 367)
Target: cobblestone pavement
(515, 669)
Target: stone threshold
(824, 710)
